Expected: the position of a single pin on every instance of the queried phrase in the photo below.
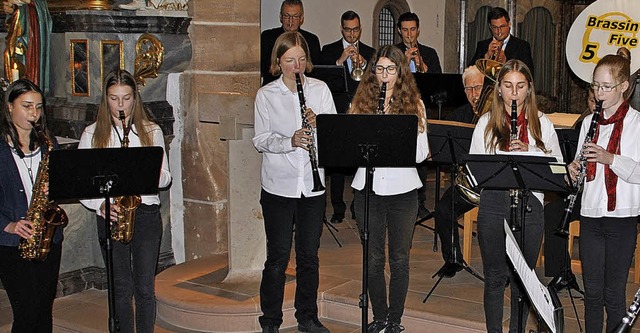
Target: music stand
(366, 141)
(104, 173)
(447, 141)
(523, 172)
(441, 90)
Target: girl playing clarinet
(535, 132)
(611, 195)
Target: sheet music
(538, 292)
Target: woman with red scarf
(611, 196)
(535, 133)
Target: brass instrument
(563, 227)
(122, 228)
(514, 193)
(44, 214)
(464, 187)
(490, 68)
(416, 53)
(317, 182)
(356, 70)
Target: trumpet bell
(489, 68)
(357, 73)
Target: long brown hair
(405, 98)
(139, 117)
(8, 129)
(498, 130)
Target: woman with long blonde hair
(393, 208)
(535, 133)
(134, 263)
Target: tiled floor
(457, 302)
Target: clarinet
(627, 321)
(563, 227)
(513, 192)
(317, 182)
(381, 97)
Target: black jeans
(447, 223)
(556, 256)
(31, 287)
(391, 217)
(338, 176)
(494, 208)
(280, 216)
(606, 249)
(134, 270)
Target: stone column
(219, 89)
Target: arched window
(385, 15)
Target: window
(386, 27)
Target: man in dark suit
(291, 17)
(351, 53)
(502, 46)
(421, 58)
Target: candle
(15, 74)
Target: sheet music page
(538, 292)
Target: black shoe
(271, 329)
(393, 328)
(449, 269)
(312, 325)
(376, 326)
(336, 219)
(423, 213)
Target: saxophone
(122, 229)
(44, 214)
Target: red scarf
(610, 178)
(523, 123)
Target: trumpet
(563, 227)
(416, 53)
(356, 69)
(317, 182)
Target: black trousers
(280, 216)
(556, 257)
(447, 222)
(31, 287)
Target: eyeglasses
(391, 69)
(597, 87)
(287, 17)
(351, 30)
(474, 88)
(497, 28)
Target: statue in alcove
(28, 41)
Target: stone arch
(396, 7)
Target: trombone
(356, 69)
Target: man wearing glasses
(291, 17)
(351, 53)
(446, 219)
(502, 46)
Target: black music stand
(522, 172)
(449, 140)
(104, 173)
(366, 141)
(441, 90)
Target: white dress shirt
(392, 181)
(549, 138)
(134, 141)
(286, 170)
(626, 166)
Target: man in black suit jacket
(502, 45)
(352, 53)
(409, 29)
(291, 17)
